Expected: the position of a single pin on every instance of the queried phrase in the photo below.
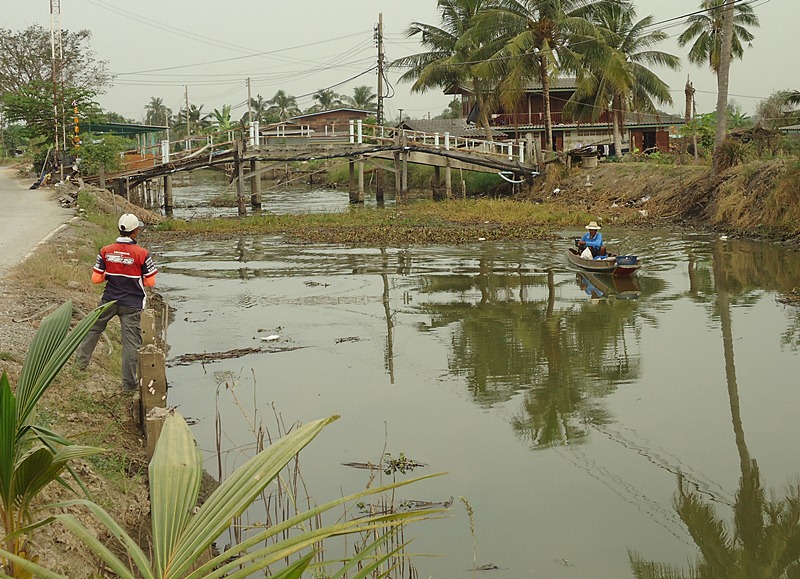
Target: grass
(420, 222)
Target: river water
(562, 407)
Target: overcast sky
(156, 47)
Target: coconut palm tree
(182, 532)
(259, 108)
(618, 75)
(157, 113)
(539, 39)
(453, 50)
(326, 100)
(363, 98)
(283, 105)
(31, 455)
(704, 31)
(198, 120)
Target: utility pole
(379, 41)
(249, 108)
(56, 56)
(188, 126)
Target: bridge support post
(448, 181)
(379, 185)
(351, 181)
(397, 184)
(168, 195)
(242, 210)
(404, 172)
(360, 197)
(101, 176)
(255, 184)
(437, 181)
(121, 187)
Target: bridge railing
(359, 134)
(180, 149)
(512, 149)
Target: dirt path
(28, 217)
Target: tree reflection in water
(765, 542)
(515, 340)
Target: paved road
(27, 217)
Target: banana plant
(32, 456)
(181, 534)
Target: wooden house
(331, 123)
(642, 131)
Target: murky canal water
(562, 407)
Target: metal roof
(121, 128)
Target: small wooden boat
(618, 265)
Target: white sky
(305, 45)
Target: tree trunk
(723, 76)
(548, 120)
(483, 114)
(616, 123)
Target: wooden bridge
(251, 155)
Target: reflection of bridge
(516, 161)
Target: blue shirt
(595, 243)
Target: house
(331, 123)
(642, 131)
(793, 130)
(274, 133)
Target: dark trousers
(130, 321)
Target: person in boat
(593, 240)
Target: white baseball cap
(129, 222)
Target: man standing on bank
(127, 269)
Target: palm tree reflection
(766, 538)
(511, 337)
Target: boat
(617, 265)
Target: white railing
(359, 134)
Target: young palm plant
(181, 534)
(32, 456)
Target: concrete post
(242, 210)
(168, 195)
(360, 179)
(255, 185)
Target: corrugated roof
(456, 127)
(340, 109)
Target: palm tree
(198, 120)
(453, 51)
(157, 113)
(283, 105)
(363, 98)
(259, 108)
(617, 77)
(539, 39)
(326, 100)
(31, 455)
(705, 31)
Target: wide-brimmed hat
(593, 225)
(129, 222)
